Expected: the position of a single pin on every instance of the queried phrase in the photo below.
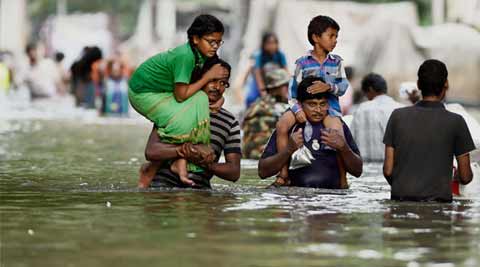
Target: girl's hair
(202, 25)
(209, 64)
(265, 57)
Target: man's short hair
(432, 76)
(319, 25)
(210, 63)
(30, 46)
(375, 82)
(303, 95)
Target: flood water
(68, 198)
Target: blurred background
(391, 38)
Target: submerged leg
(147, 173)
(283, 126)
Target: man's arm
(270, 166)
(229, 170)
(158, 151)
(464, 174)
(388, 163)
(353, 162)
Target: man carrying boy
(421, 140)
(321, 63)
(323, 172)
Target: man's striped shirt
(225, 136)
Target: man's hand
(215, 107)
(300, 116)
(200, 154)
(217, 72)
(318, 87)
(295, 141)
(334, 139)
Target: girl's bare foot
(147, 173)
(179, 167)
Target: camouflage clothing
(259, 122)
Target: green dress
(151, 94)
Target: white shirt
(368, 126)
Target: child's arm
(183, 91)
(341, 83)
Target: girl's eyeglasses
(213, 43)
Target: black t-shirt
(425, 137)
(323, 172)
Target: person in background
(371, 117)
(5, 74)
(87, 78)
(63, 74)
(269, 58)
(262, 115)
(422, 140)
(41, 76)
(116, 89)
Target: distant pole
(61, 7)
(438, 11)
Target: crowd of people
(94, 82)
(293, 122)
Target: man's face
(315, 109)
(215, 89)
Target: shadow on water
(68, 198)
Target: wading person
(421, 141)
(323, 172)
(321, 63)
(263, 114)
(371, 117)
(166, 89)
(225, 136)
(268, 59)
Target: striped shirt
(225, 136)
(331, 70)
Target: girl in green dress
(166, 89)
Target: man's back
(425, 138)
(369, 124)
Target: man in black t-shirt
(421, 140)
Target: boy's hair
(375, 82)
(303, 95)
(319, 25)
(432, 76)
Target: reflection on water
(68, 198)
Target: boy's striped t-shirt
(331, 70)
